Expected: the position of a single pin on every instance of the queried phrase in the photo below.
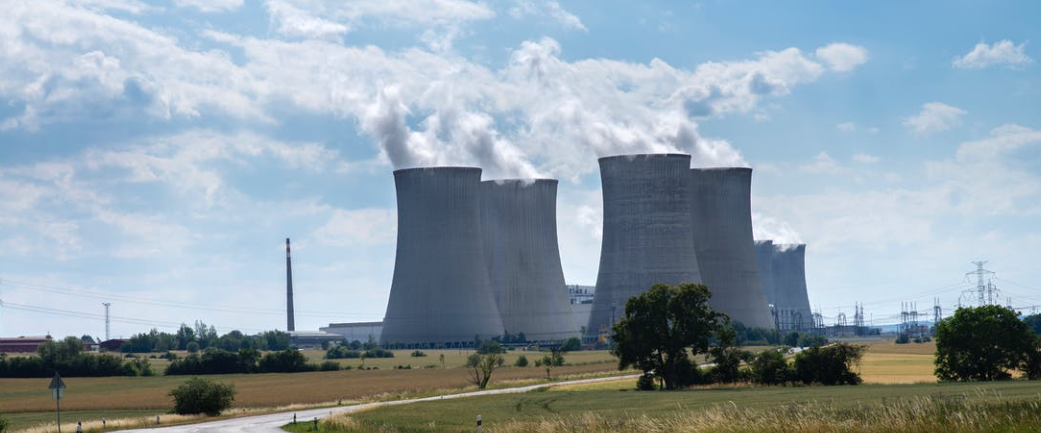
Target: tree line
(66, 356)
(201, 337)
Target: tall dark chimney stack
(290, 326)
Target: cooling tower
(721, 220)
(792, 305)
(646, 231)
(440, 292)
(519, 227)
(764, 252)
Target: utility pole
(106, 304)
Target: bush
(329, 366)
(286, 361)
(572, 344)
(831, 365)
(199, 395)
(902, 339)
(522, 361)
(342, 352)
(192, 347)
(489, 346)
(645, 383)
(769, 368)
(417, 354)
(3, 423)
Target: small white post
(479, 429)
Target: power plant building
(792, 306)
(646, 232)
(440, 293)
(721, 220)
(519, 230)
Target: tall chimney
(290, 326)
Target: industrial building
(647, 235)
(440, 292)
(519, 231)
(359, 331)
(23, 344)
(721, 219)
(792, 302)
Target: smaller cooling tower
(793, 303)
(646, 233)
(764, 252)
(519, 227)
(440, 292)
(721, 218)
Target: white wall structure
(519, 229)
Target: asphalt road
(272, 423)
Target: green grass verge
(1006, 406)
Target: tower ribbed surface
(721, 220)
(764, 252)
(646, 232)
(440, 292)
(519, 224)
(793, 302)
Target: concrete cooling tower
(519, 227)
(721, 219)
(764, 253)
(440, 292)
(646, 233)
(792, 305)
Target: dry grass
(919, 414)
(889, 363)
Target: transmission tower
(937, 310)
(984, 292)
(106, 304)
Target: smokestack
(764, 252)
(721, 218)
(290, 324)
(647, 233)
(519, 225)
(793, 302)
(440, 292)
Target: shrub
(199, 395)
(902, 339)
(378, 353)
(572, 344)
(645, 383)
(286, 361)
(489, 346)
(769, 368)
(831, 365)
(522, 361)
(192, 347)
(418, 354)
(342, 352)
(3, 423)
(329, 366)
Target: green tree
(185, 334)
(199, 395)
(829, 365)
(769, 368)
(981, 343)
(481, 367)
(3, 423)
(726, 356)
(522, 361)
(661, 326)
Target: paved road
(272, 423)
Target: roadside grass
(994, 406)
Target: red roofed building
(22, 344)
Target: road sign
(57, 392)
(57, 383)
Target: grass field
(600, 408)
(26, 402)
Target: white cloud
(768, 228)
(842, 57)
(846, 127)
(1001, 53)
(549, 8)
(210, 6)
(291, 21)
(935, 117)
(359, 228)
(864, 158)
(822, 163)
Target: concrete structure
(360, 331)
(646, 233)
(792, 306)
(290, 322)
(440, 291)
(519, 230)
(721, 219)
(764, 254)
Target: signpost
(57, 392)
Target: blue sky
(156, 154)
